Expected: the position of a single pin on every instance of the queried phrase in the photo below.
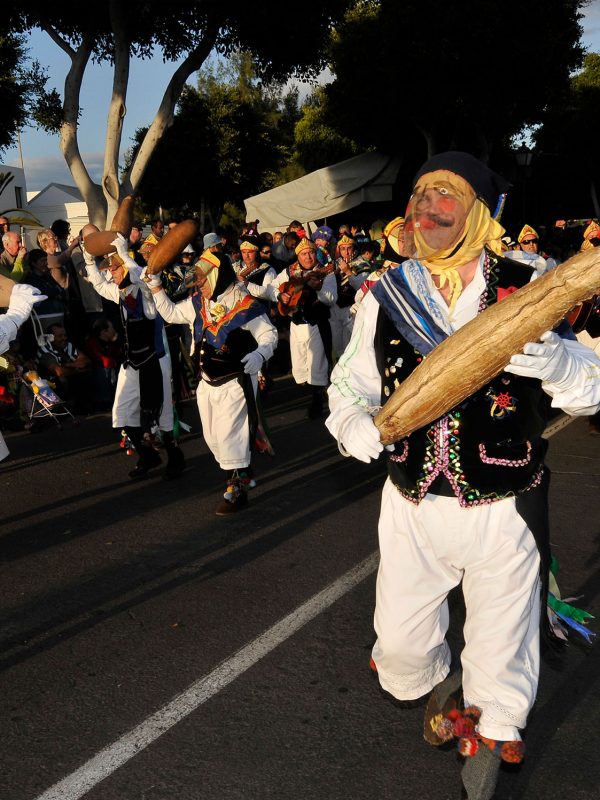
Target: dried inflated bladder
(172, 245)
(99, 243)
(481, 349)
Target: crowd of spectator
(74, 338)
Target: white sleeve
(264, 292)
(273, 286)
(8, 332)
(355, 381)
(110, 291)
(177, 313)
(328, 293)
(582, 395)
(265, 334)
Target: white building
(56, 201)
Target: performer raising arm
(234, 338)
(143, 393)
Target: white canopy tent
(331, 190)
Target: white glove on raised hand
(154, 280)
(359, 437)
(120, 244)
(89, 259)
(547, 360)
(22, 299)
(253, 361)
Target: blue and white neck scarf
(405, 296)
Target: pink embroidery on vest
(505, 462)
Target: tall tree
(452, 75)
(23, 96)
(229, 139)
(568, 145)
(317, 141)
(114, 32)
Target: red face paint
(447, 204)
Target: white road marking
(557, 425)
(115, 755)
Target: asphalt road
(119, 597)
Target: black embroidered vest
(143, 336)
(487, 448)
(218, 365)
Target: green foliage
(567, 143)
(23, 96)
(230, 138)
(317, 142)
(232, 219)
(449, 75)
(178, 26)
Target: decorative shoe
(445, 697)
(238, 501)
(146, 462)
(246, 478)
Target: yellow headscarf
(592, 228)
(527, 230)
(391, 231)
(208, 265)
(305, 244)
(479, 230)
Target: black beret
(487, 184)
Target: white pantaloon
(126, 407)
(309, 362)
(225, 425)
(341, 322)
(426, 550)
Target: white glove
(547, 360)
(22, 299)
(359, 437)
(89, 259)
(253, 362)
(120, 244)
(154, 280)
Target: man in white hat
(213, 242)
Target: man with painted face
(466, 496)
(233, 337)
(143, 394)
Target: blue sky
(148, 79)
